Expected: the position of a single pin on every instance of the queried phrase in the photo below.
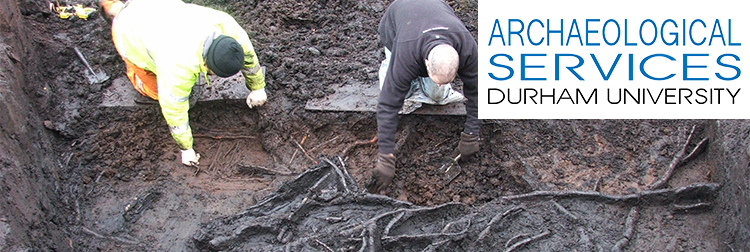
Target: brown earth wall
(30, 206)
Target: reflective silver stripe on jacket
(139, 83)
(179, 129)
(252, 71)
(179, 99)
(435, 29)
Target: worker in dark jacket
(424, 38)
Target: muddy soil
(128, 191)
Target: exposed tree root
(497, 218)
(223, 137)
(358, 143)
(255, 169)
(651, 197)
(680, 159)
(692, 207)
(527, 240)
(629, 231)
(304, 152)
(113, 238)
(565, 211)
(349, 219)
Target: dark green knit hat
(225, 56)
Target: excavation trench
(79, 177)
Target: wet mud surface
(263, 184)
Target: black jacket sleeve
(401, 71)
(469, 76)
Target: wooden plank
(122, 94)
(359, 97)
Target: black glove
(468, 146)
(383, 173)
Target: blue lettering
(691, 32)
(685, 66)
(549, 31)
(630, 66)
(524, 66)
(570, 33)
(590, 32)
(612, 68)
(626, 36)
(720, 35)
(571, 69)
(511, 32)
(643, 64)
(736, 69)
(604, 34)
(510, 69)
(528, 32)
(492, 35)
(640, 31)
(683, 32)
(675, 34)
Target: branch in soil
(680, 159)
(324, 245)
(514, 238)
(497, 218)
(368, 227)
(305, 152)
(596, 184)
(435, 246)
(690, 207)
(114, 238)
(324, 143)
(358, 143)
(565, 211)
(648, 196)
(407, 238)
(214, 158)
(338, 172)
(392, 222)
(255, 169)
(627, 235)
(293, 155)
(527, 240)
(223, 137)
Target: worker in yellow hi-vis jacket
(177, 42)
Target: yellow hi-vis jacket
(169, 38)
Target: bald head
(442, 64)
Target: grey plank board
(360, 97)
(122, 94)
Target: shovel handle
(85, 62)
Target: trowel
(451, 169)
(95, 77)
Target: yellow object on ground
(66, 12)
